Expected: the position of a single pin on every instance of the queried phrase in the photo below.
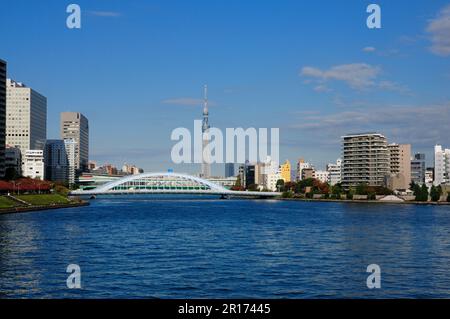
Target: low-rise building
(308, 173)
(301, 165)
(418, 167)
(13, 159)
(335, 172)
(33, 164)
(322, 176)
(285, 170)
(441, 166)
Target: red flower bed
(25, 185)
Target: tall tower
(206, 168)
(75, 125)
(26, 117)
(2, 116)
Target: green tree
(350, 193)
(280, 185)
(435, 193)
(361, 189)
(422, 194)
(286, 195)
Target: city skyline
(370, 84)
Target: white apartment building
(441, 165)
(271, 181)
(271, 173)
(26, 117)
(335, 172)
(70, 146)
(33, 164)
(322, 176)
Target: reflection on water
(146, 247)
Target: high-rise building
(335, 172)
(2, 116)
(418, 167)
(441, 165)
(399, 176)
(365, 159)
(33, 164)
(229, 170)
(75, 126)
(285, 170)
(206, 167)
(56, 161)
(71, 145)
(26, 117)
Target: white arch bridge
(166, 183)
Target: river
(161, 247)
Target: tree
(61, 189)
(350, 193)
(361, 189)
(336, 191)
(280, 185)
(422, 194)
(448, 197)
(435, 193)
(290, 186)
(252, 187)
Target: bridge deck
(184, 192)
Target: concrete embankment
(32, 208)
(364, 201)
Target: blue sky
(136, 69)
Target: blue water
(206, 248)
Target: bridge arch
(160, 182)
(166, 183)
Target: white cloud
(105, 13)
(418, 125)
(369, 49)
(439, 29)
(357, 75)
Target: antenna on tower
(206, 97)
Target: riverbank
(364, 201)
(36, 202)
